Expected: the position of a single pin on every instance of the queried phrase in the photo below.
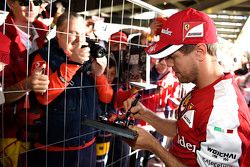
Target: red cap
(185, 27)
(4, 49)
(118, 37)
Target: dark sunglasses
(27, 2)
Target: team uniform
(213, 126)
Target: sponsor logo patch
(166, 31)
(212, 163)
(188, 117)
(225, 155)
(186, 111)
(193, 30)
(181, 141)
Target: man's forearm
(163, 126)
(15, 92)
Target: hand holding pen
(137, 98)
(128, 113)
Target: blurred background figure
(49, 11)
(119, 50)
(57, 9)
(137, 57)
(242, 77)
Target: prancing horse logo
(187, 26)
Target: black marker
(137, 98)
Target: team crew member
(26, 35)
(212, 128)
(71, 97)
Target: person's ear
(201, 51)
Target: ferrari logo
(187, 26)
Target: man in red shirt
(26, 35)
(212, 126)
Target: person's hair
(66, 16)
(53, 8)
(211, 49)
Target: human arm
(80, 54)
(164, 126)
(147, 142)
(59, 80)
(61, 77)
(104, 90)
(37, 82)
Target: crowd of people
(54, 77)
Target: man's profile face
(25, 10)
(71, 34)
(184, 66)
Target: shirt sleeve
(222, 144)
(59, 80)
(104, 90)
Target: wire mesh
(117, 16)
